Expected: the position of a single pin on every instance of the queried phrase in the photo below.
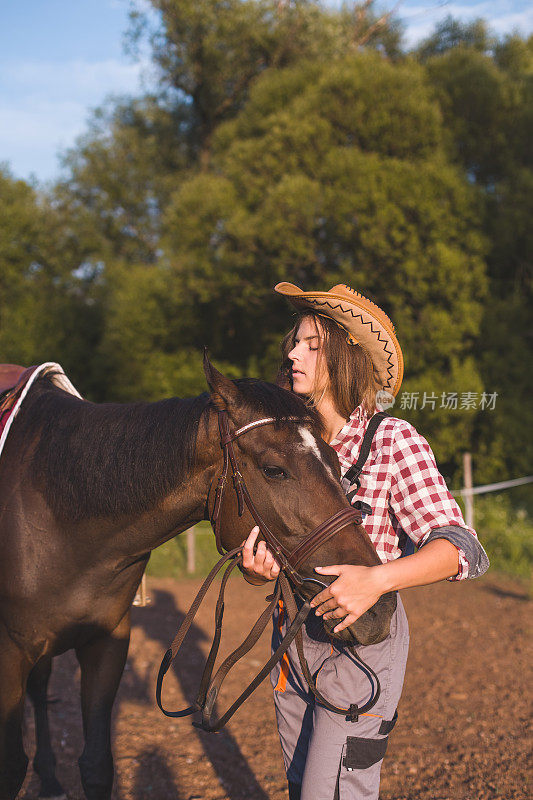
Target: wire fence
(469, 491)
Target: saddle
(10, 375)
(15, 382)
(13, 379)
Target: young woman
(343, 357)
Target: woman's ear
(224, 393)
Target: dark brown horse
(87, 491)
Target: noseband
(288, 560)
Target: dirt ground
(463, 719)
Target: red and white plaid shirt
(400, 481)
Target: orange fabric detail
(281, 685)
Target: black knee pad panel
(363, 753)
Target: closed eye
(275, 472)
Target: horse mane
(108, 459)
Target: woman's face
(305, 358)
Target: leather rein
(288, 560)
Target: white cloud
(502, 16)
(32, 136)
(45, 106)
(519, 21)
(70, 78)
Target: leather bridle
(288, 560)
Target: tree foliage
(485, 90)
(48, 301)
(208, 53)
(334, 175)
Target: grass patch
(170, 560)
(506, 533)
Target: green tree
(209, 52)
(206, 54)
(450, 34)
(486, 110)
(327, 175)
(118, 178)
(48, 308)
(137, 152)
(485, 91)
(19, 229)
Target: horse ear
(224, 393)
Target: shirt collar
(357, 417)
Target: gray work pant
(328, 756)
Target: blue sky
(61, 58)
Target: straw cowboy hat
(365, 323)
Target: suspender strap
(353, 473)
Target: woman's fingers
(265, 561)
(261, 562)
(347, 621)
(260, 551)
(248, 549)
(274, 569)
(336, 613)
(320, 598)
(328, 605)
(269, 561)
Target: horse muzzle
(372, 627)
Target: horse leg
(14, 671)
(102, 663)
(44, 762)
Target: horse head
(293, 477)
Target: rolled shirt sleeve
(423, 506)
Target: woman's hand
(262, 564)
(358, 588)
(354, 592)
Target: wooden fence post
(468, 496)
(191, 551)
(141, 598)
(143, 590)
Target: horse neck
(132, 514)
(186, 505)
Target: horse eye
(274, 472)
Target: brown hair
(349, 369)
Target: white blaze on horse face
(310, 444)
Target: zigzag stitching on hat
(384, 342)
(379, 311)
(390, 353)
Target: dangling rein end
(163, 669)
